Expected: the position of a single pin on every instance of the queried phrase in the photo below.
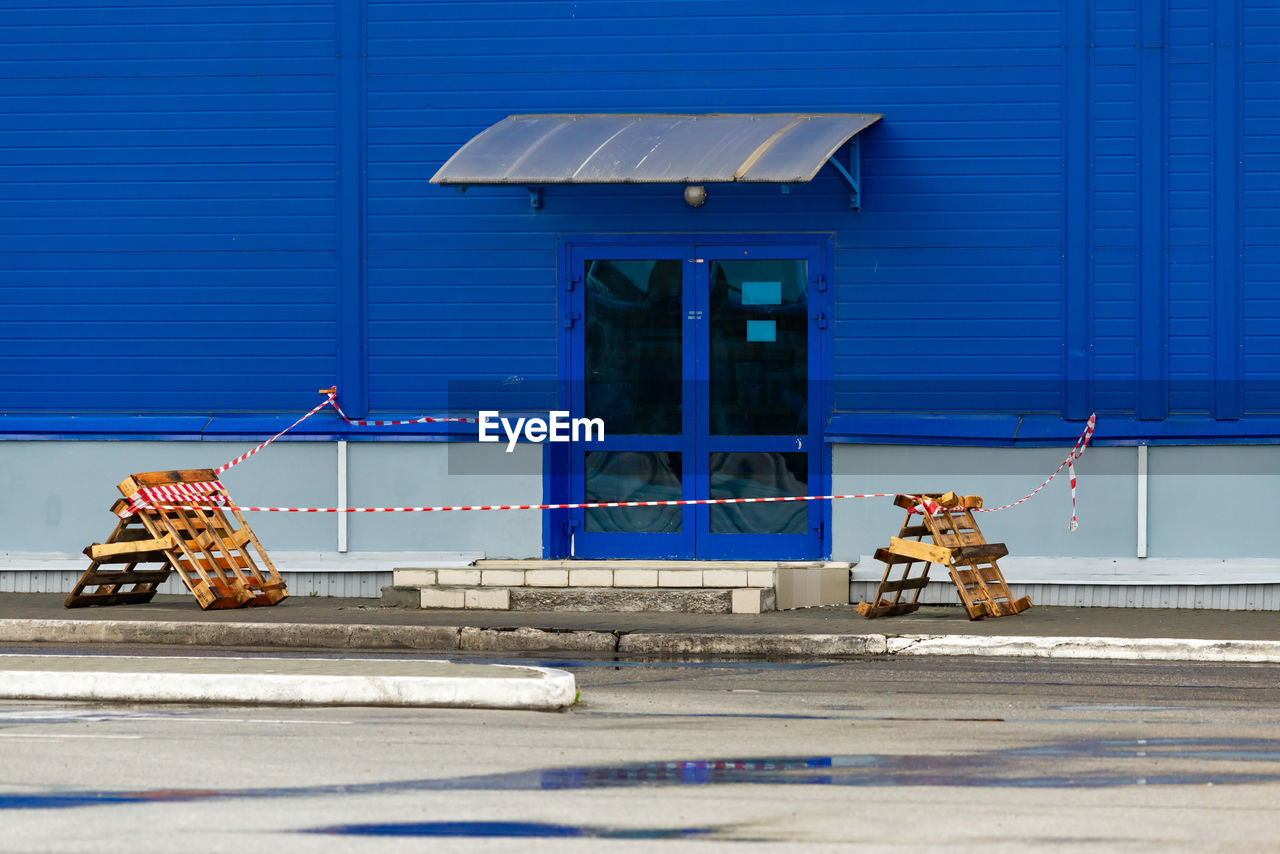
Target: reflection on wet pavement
(510, 829)
(1091, 763)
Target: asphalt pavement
(889, 754)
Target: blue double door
(703, 363)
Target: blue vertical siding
(1227, 393)
(959, 234)
(1115, 205)
(1077, 210)
(958, 247)
(166, 206)
(243, 195)
(1190, 194)
(1260, 154)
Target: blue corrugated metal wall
(1259, 154)
(167, 205)
(962, 180)
(172, 187)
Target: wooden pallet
(957, 544)
(214, 556)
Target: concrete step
(623, 574)
(698, 600)
(532, 563)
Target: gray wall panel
(55, 496)
(1210, 501)
(1107, 496)
(427, 474)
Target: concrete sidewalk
(325, 623)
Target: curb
(305, 636)
(1127, 649)
(188, 680)
(658, 644)
(790, 646)
(260, 635)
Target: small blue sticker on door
(762, 293)
(762, 330)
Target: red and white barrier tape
(208, 492)
(332, 399)
(238, 460)
(593, 505)
(423, 420)
(211, 494)
(577, 506)
(1077, 452)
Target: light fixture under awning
(648, 148)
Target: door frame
(557, 478)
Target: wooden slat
(978, 552)
(913, 531)
(164, 478)
(87, 600)
(899, 584)
(886, 556)
(218, 564)
(868, 610)
(920, 551)
(136, 557)
(234, 539)
(101, 551)
(119, 577)
(131, 534)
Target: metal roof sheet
(652, 148)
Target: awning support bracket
(852, 175)
(535, 198)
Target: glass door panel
(758, 423)
(634, 348)
(631, 351)
(759, 328)
(633, 476)
(759, 474)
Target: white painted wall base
(1221, 597)
(1241, 584)
(360, 575)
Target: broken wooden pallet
(958, 544)
(214, 556)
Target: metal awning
(647, 148)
